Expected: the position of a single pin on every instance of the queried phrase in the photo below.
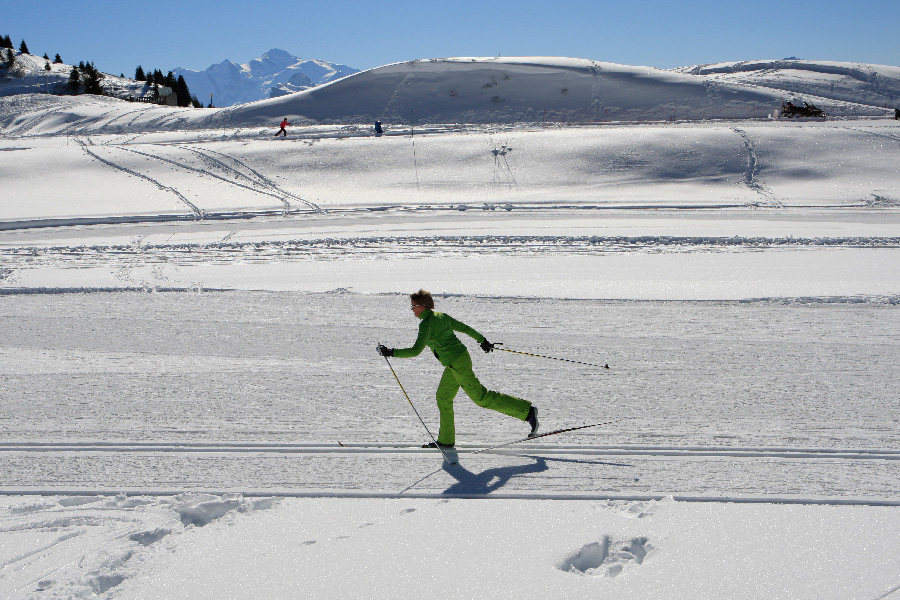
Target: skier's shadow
(490, 480)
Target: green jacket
(436, 332)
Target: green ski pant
(459, 374)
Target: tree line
(86, 79)
(176, 84)
(10, 60)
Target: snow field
(653, 167)
(228, 546)
(192, 407)
(158, 399)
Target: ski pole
(391, 367)
(578, 362)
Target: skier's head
(422, 298)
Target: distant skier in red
(283, 130)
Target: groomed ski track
(581, 472)
(463, 449)
(282, 394)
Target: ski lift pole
(402, 389)
(577, 362)
(412, 135)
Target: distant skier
(437, 332)
(378, 129)
(283, 130)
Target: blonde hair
(423, 298)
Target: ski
(449, 453)
(540, 435)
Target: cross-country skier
(283, 130)
(437, 332)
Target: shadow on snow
(496, 478)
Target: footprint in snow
(608, 557)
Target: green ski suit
(437, 332)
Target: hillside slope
(480, 90)
(877, 85)
(485, 90)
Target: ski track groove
(296, 250)
(409, 493)
(262, 179)
(872, 132)
(263, 186)
(180, 165)
(391, 449)
(751, 175)
(198, 212)
(407, 77)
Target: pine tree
(23, 48)
(5, 42)
(91, 80)
(47, 66)
(182, 92)
(74, 81)
(58, 59)
(139, 74)
(46, 57)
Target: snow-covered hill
(31, 76)
(489, 90)
(531, 89)
(877, 85)
(486, 90)
(273, 74)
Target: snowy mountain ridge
(275, 73)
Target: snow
(193, 408)
(275, 73)
(852, 82)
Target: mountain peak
(275, 73)
(271, 62)
(278, 53)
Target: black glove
(384, 350)
(487, 346)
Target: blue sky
(194, 34)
